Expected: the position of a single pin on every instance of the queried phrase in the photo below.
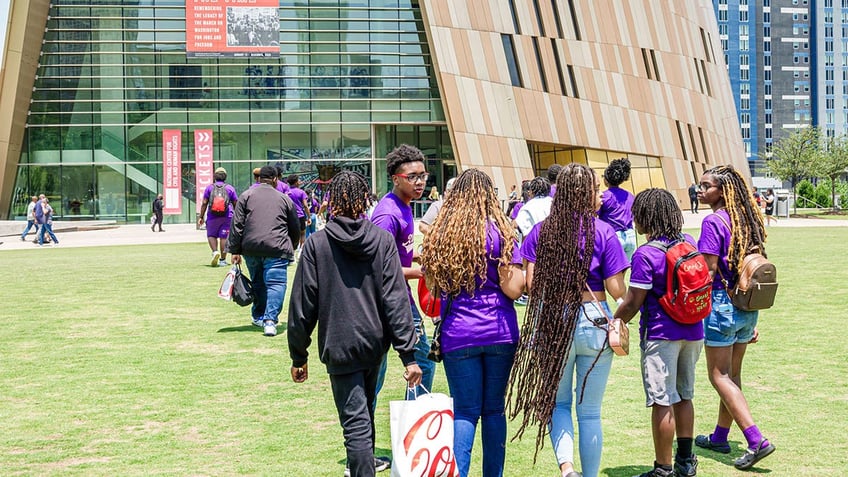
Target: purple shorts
(218, 227)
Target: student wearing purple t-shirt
(217, 226)
(571, 259)
(405, 165)
(301, 204)
(670, 349)
(472, 256)
(616, 204)
(735, 227)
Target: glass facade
(645, 171)
(354, 79)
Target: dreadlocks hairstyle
(657, 213)
(566, 244)
(617, 171)
(539, 187)
(401, 155)
(746, 220)
(553, 173)
(349, 194)
(454, 252)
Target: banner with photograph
(172, 146)
(232, 28)
(203, 163)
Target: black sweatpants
(354, 395)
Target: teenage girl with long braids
(669, 350)
(471, 255)
(616, 204)
(728, 234)
(563, 339)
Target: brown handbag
(618, 334)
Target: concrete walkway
(101, 233)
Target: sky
(4, 19)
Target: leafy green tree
(793, 157)
(832, 163)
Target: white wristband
(619, 301)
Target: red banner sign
(172, 171)
(203, 165)
(232, 28)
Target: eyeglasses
(413, 178)
(706, 187)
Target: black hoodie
(349, 281)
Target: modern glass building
(509, 86)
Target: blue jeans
(48, 229)
(422, 349)
(628, 241)
(477, 378)
(589, 340)
(30, 224)
(310, 229)
(269, 276)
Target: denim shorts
(728, 325)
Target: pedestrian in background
(221, 197)
(158, 207)
(31, 220)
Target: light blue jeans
(477, 377)
(269, 276)
(589, 340)
(628, 241)
(422, 349)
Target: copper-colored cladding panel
(618, 108)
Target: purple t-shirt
(298, 196)
(231, 193)
(553, 190)
(515, 210)
(715, 240)
(282, 186)
(395, 217)
(648, 272)
(488, 317)
(608, 257)
(616, 205)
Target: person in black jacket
(158, 207)
(263, 229)
(350, 283)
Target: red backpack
(688, 294)
(220, 200)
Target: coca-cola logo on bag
(430, 460)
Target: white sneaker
(258, 323)
(222, 263)
(270, 328)
(216, 257)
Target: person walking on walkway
(728, 234)
(693, 198)
(217, 211)
(158, 207)
(31, 222)
(351, 249)
(47, 224)
(264, 229)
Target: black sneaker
(657, 472)
(687, 467)
(751, 457)
(706, 442)
(380, 464)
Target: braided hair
(401, 155)
(747, 229)
(538, 187)
(454, 252)
(564, 253)
(349, 194)
(656, 213)
(617, 171)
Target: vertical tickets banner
(232, 28)
(203, 170)
(172, 146)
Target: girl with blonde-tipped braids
(728, 234)
(471, 255)
(572, 259)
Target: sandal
(706, 442)
(751, 457)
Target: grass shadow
(737, 449)
(625, 470)
(378, 452)
(281, 327)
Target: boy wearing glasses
(405, 165)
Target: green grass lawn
(122, 361)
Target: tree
(793, 156)
(832, 163)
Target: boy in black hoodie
(349, 282)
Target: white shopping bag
(226, 290)
(422, 437)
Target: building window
(542, 74)
(511, 61)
